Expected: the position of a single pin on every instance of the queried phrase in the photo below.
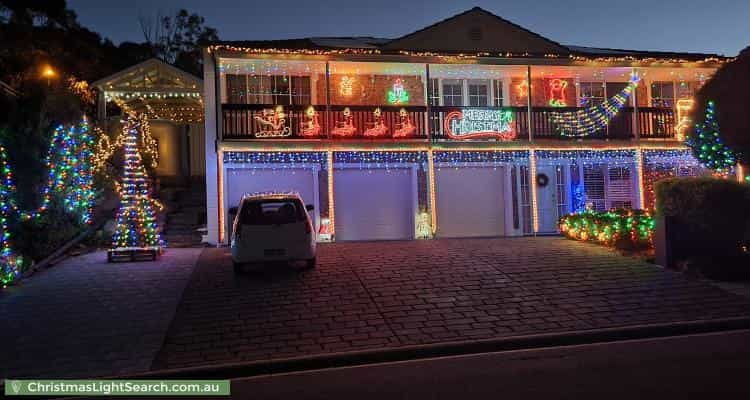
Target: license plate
(274, 252)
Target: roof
(152, 74)
(475, 31)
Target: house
(473, 126)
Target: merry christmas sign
(478, 123)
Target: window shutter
(619, 189)
(593, 183)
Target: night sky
(712, 26)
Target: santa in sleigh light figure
(272, 123)
(310, 127)
(378, 127)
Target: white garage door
(301, 180)
(470, 202)
(374, 204)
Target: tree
(177, 39)
(728, 89)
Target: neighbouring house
(473, 126)
(173, 101)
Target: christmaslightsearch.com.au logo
(68, 387)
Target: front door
(546, 189)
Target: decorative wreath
(542, 180)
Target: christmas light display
(137, 231)
(423, 225)
(591, 119)
(707, 145)
(397, 94)
(346, 127)
(684, 106)
(346, 86)
(378, 127)
(622, 228)
(480, 123)
(405, 128)
(10, 264)
(272, 123)
(556, 92)
(311, 126)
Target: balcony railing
(262, 122)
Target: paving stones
(88, 318)
(371, 295)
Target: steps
(185, 209)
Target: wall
(370, 89)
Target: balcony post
(636, 127)
(328, 101)
(528, 104)
(428, 116)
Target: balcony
(410, 123)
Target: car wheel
(238, 268)
(310, 264)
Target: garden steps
(185, 215)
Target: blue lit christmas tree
(137, 229)
(707, 145)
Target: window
(479, 94)
(274, 89)
(434, 95)
(619, 188)
(236, 87)
(271, 212)
(525, 199)
(592, 93)
(662, 94)
(497, 92)
(453, 93)
(686, 90)
(593, 184)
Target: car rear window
(271, 212)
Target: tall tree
(177, 39)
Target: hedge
(621, 228)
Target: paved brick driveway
(87, 318)
(381, 294)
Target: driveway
(88, 318)
(370, 295)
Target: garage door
(374, 204)
(470, 202)
(301, 180)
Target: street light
(48, 73)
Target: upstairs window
(268, 89)
(479, 94)
(453, 93)
(591, 93)
(434, 95)
(662, 94)
(497, 92)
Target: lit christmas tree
(707, 146)
(10, 264)
(137, 231)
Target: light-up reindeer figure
(311, 126)
(378, 126)
(272, 123)
(406, 127)
(346, 127)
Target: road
(710, 366)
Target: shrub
(624, 229)
(39, 237)
(715, 213)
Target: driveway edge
(355, 358)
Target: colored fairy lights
(591, 119)
(10, 264)
(136, 218)
(480, 123)
(707, 145)
(620, 228)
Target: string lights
(622, 228)
(707, 145)
(10, 264)
(591, 119)
(137, 230)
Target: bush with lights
(621, 228)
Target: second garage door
(374, 204)
(470, 202)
